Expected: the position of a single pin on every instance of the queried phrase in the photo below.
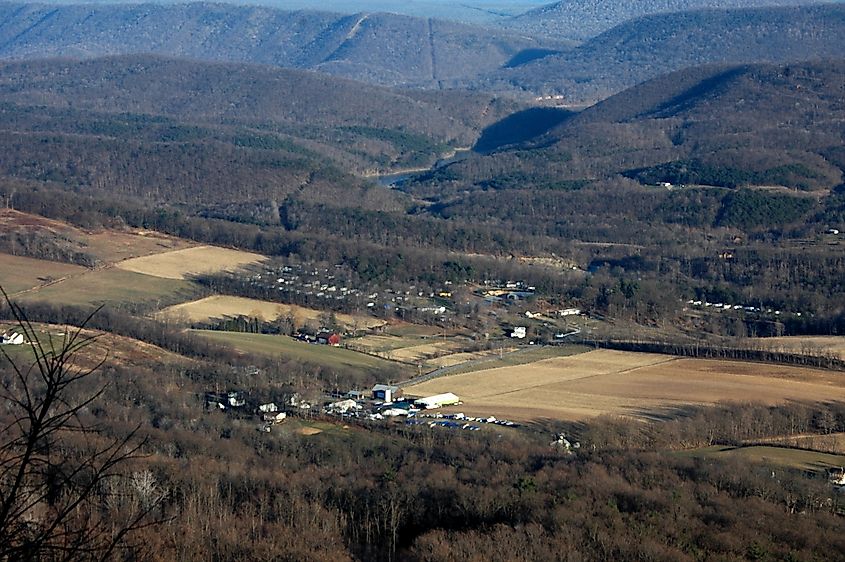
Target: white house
(274, 418)
(11, 339)
(519, 332)
(343, 406)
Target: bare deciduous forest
(478, 216)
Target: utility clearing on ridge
(639, 385)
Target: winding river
(395, 179)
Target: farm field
(639, 385)
(179, 264)
(333, 357)
(105, 246)
(409, 349)
(105, 346)
(777, 456)
(804, 344)
(112, 247)
(458, 358)
(113, 286)
(830, 443)
(220, 306)
(21, 274)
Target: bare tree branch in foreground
(63, 489)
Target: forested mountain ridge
(582, 19)
(222, 134)
(647, 47)
(385, 49)
(355, 125)
(726, 126)
(195, 90)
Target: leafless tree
(57, 471)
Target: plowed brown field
(632, 384)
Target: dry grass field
(106, 246)
(411, 348)
(180, 264)
(458, 358)
(774, 456)
(640, 385)
(21, 274)
(333, 357)
(221, 306)
(112, 247)
(830, 443)
(804, 344)
(104, 346)
(113, 286)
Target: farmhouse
(11, 339)
(328, 338)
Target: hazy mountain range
(582, 19)
(378, 48)
(413, 52)
(648, 47)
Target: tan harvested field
(639, 385)
(21, 274)
(421, 352)
(112, 247)
(383, 343)
(458, 358)
(106, 246)
(180, 264)
(804, 344)
(220, 306)
(410, 349)
(104, 346)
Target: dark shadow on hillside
(696, 94)
(528, 55)
(520, 127)
(664, 413)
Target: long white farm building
(438, 401)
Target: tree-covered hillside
(582, 19)
(380, 48)
(650, 46)
(246, 108)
